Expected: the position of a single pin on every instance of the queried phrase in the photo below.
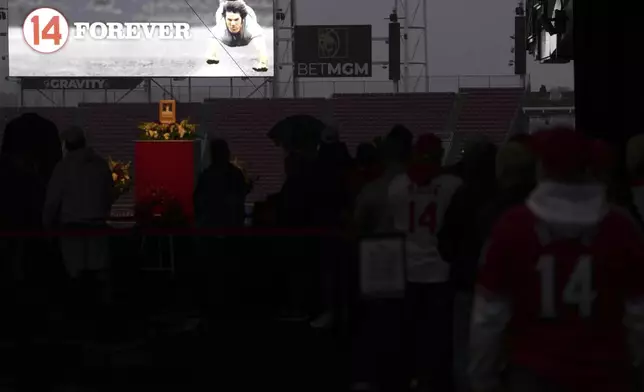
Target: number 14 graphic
(45, 30)
(50, 31)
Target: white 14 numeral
(578, 290)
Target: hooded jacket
(560, 278)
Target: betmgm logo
(333, 55)
(333, 43)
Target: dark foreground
(165, 332)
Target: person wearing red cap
(418, 200)
(559, 275)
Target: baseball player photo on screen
(141, 38)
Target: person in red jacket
(561, 277)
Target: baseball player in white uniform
(237, 25)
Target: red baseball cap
(562, 151)
(428, 143)
(427, 148)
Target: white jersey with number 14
(419, 211)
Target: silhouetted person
(457, 239)
(265, 212)
(565, 239)
(79, 199)
(523, 138)
(219, 204)
(477, 170)
(299, 133)
(30, 149)
(366, 167)
(606, 169)
(367, 155)
(461, 246)
(635, 164)
(37, 135)
(516, 179)
(21, 202)
(418, 200)
(332, 203)
(300, 137)
(332, 199)
(468, 223)
(377, 354)
(371, 213)
(297, 208)
(221, 191)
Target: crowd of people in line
(524, 262)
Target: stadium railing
(197, 90)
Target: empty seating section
(111, 129)
(488, 109)
(366, 116)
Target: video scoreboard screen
(549, 35)
(141, 38)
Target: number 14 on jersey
(578, 290)
(425, 218)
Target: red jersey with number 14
(567, 297)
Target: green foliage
(183, 130)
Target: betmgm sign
(332, 51)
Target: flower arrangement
(159, 208)
(241, 165)
(120, 175)
(183, 130)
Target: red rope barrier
(178, 232)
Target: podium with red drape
(170, 165)
(167, 161)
